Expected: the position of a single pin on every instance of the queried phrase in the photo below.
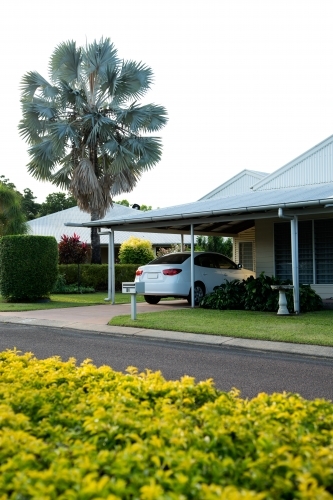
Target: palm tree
(12, 219)
(86, 130)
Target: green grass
(65, 300)
(310, 328)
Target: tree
(12, 219)
(214, 244)
(55, 202)
(86, 131)
(126, 203)
(29, 206)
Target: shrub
(72, 250)
(81, 432)
(96, 275)
(256, 294)
(62, 287)
(136, 251)
(28, 266)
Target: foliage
(72, 250)
(55, 202)
(136, 251)
(86, 130)
(12, 219)
(176, 247)
(71, 432)
(214, 244)
(61, 287)
(126, 203)
(256, 294)
(96, 276)
(29, 206)
(28, 267)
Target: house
(54, 225)
(282, 223)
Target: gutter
(327, 202)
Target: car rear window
(172, 258)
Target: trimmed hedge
(79, 432)
(136, 250)
(96, 275)
(28, 266)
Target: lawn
(310, 328)
(65, 300)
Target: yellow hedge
(82, 432)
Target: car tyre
(152, 299)
(199, 293)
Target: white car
(170, 275)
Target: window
(246, 254)
(315, 251)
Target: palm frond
(147, 150)
(32, 81)
(99, 57)
(133, 82)
(124, 182)
(147, 118)
(65, 62)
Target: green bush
(62, 287)
(136, 251)
(28, 266)
(79, 432)
(256, 294)
(96, 275)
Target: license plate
(152, 276)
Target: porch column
(294, 261)
(192, 266)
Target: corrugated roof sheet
(252, 201)
(54, 225)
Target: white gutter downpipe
(192, 266)
(294, 255)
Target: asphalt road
(250, 371)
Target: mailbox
(133, 287)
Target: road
(248, 370)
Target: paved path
(95, 319)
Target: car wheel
(199, 293)
(152, 299)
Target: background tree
(12, 218)
(214, 244)
(86, 130)
(29, 206)
(55, 202)
(126, 203)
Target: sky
(247, 83)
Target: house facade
(266, 246)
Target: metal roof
(238, 184)
(226, 216)
(54, 225)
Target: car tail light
(138, 272)
(171, 272)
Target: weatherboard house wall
(313, 168)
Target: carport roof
(224, 216)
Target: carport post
(111, 275)
(192, 266)
(294, 261)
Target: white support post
(113, 271)
(294, 261)
(192, 266)
(182, 243)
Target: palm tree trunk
(95, 241)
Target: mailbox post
(133, 288)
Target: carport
(223, 217)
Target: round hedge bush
(28, 266)
(136, 251)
